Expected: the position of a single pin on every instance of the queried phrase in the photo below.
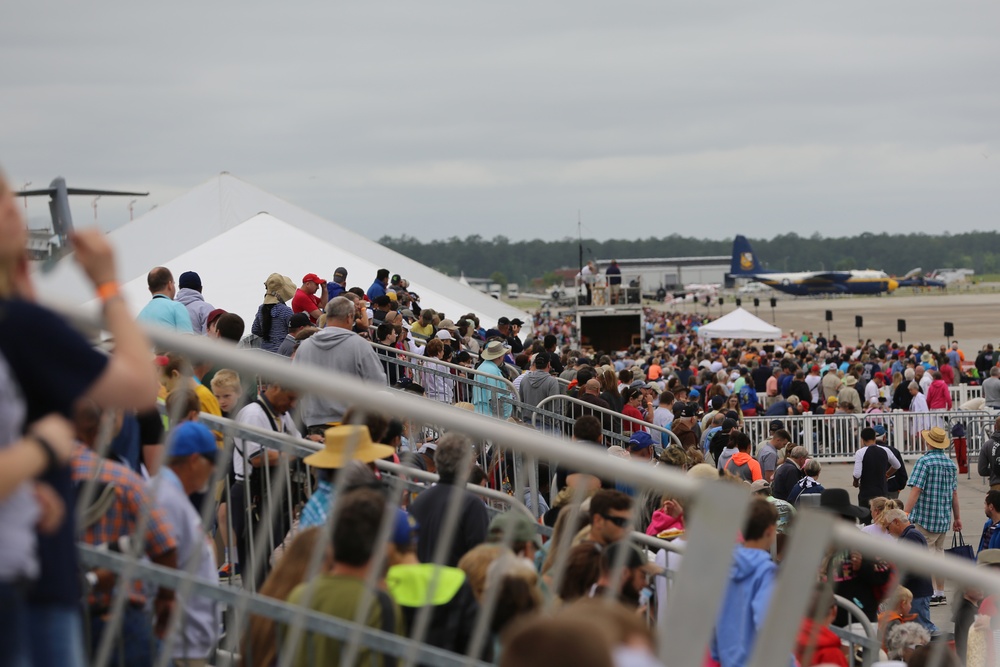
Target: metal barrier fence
(617, 428)
(451, 383)
(837, 437)
(961, 393)
(700, 583)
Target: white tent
(234, 235)
(739, 324)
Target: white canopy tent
(234, 235)
(739, 324)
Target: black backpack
(718, 442)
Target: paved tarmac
(971, 490)
(924, 315)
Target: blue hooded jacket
(744, 607)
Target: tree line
(524, 261)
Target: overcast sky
(437, 119)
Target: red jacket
(938, 395)
(828, 648)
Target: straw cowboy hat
(936, 437)
(278, 289)
(494, 350)
(339, 442)
(850, 381)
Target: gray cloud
(449, 118)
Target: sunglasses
(620, 521)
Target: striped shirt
(936, 475)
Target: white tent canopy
(739, 324)
(234, 235)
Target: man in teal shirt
(162, 310)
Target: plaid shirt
(936, 475)
(316, 509)
(131, 499)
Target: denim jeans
(134, 644)
(13, 625)
(55, 633)
(922, 608)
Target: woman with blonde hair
(878, 507)
(260, 643)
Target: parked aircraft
(50, 245)
(915, 278)
(803, 283)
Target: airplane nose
(893, 284)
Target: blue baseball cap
(192, 438)
(639, 441)
(403, 529)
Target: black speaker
(901, 326)
(858, 322)
(739, 302)
(829, 316)
(720, 300)
(756, 302)
(949, 329)
(774, 302)
(708, 300)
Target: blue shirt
(490, 390)
(200, 628)
(991, 536)
(166, 312)
(707, 438)
(317, 507)
(376, 290)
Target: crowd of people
(88, 457)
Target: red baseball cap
(214, 315)
(312, 278)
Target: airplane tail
(58, 194)
(744, 260)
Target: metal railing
(695, 598)
(446, 382)
(837, 437)
(961, 393)
(613, 423)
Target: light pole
(131, 207)
(94, 205)
(24, 188)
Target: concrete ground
(924, 314)
(971, 491)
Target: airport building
(671, 273)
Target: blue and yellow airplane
(803, 283)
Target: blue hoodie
(744, 607)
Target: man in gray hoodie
(190, 296)
(539, 383)
(339, 349)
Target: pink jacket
(938, 396)
(662, 521)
